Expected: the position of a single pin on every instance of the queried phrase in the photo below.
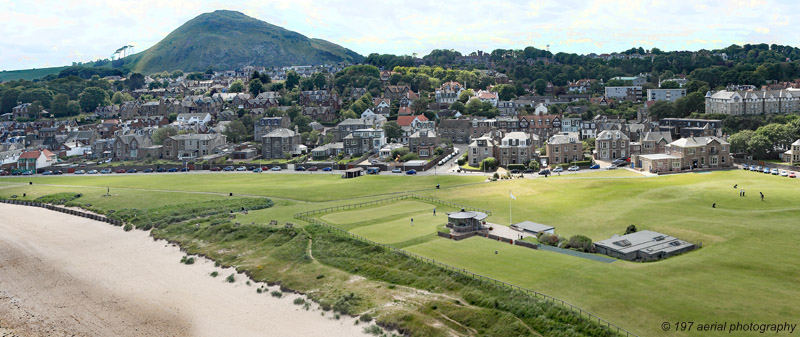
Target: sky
(45, 33)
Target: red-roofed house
(32, 160)
(404, 111)
(412, 124)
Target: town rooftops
(407, 120)
(194, 136)
(467, 215)
(562, 139)
(658, 156)
(796, 143)
(648, 241)
(280, 133)
(696, 141)
(611, 134)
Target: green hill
(28, 74)
(230, 40)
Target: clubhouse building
(643, 246)
(465, 222)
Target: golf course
(745, 271)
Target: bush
(583, 163)
(409, 157)
(231, 278)
(489, 164)
(276, 294)
(320, 276)
(461, 161)
(299, 301)
(127, 227)
(516, 167)
(214, 274)
(59, 198)
(258, 290)
(548, 239)
(630, 229)
(373, 330)
(189, 260)
(533, 165)
(399, 152)
(365, 318)
(580, 243)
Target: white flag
(512, 196)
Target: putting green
(373, 213)
(401, 229)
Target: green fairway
(746, 270)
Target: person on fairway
(434, 211)
(734, 186)
(412, 221)
(762, 196)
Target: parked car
(241, 168)
(148, 170)
(172, 170)
(574, 168)
(299, 168)
(752, 168)
(411, 172)
(745, 167)
(216, 169)
(92, 172)
(558, 169)
(257, 170)
(276, 168)
(47, 173)
(594, 167)
(544, 172)
(611, 167)
(784, 173)
(105, 171)
(265, 168)
(619, 162)
(184, 169)
(120, 171)
(228, 168)
(766, 170)
(397, 170)
(528, 171)
(80, 172)
(312, 168)
(792, 175)
(514, 171)
(327, 169)
(58, 172)
(775, 172)
(251, 167)
(132, 171)
(27, 173)
(4, 173)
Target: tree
(465, 95)
(135, 81)
(303, 123)
(73, 108)
(662, 109)
(669, 85)
(458, 106)
(739, 141)
(59, 105)
(120, 97)
(392, 130)
(759, 146)
(91, 98)
(256, 87)
(163, 133)
(540, 86)
(347, 113)
(237, 86)
(694, 102)
(489, 164)
(236, 131)
(42, 95)
(292, 80)
(419, 105)
(9, 100)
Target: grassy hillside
(230, 40)
(28, 74)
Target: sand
(63, 275)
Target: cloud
(59, 32)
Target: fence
(63, 210)
(389, 200)
(462, 271)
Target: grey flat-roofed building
(533, 228)
(465, 221)
(643, 246)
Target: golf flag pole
(509, 206)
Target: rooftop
(648, 241)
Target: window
(713, 160)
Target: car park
(594, 167)
(327, 169)
(105, 171)
(411, 172)
(92, 172)
(276, 168)
(397, 170)
(558, 169)
(574, 168)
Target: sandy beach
(62, 275)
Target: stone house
(423, 143)
(701, 152)
(480, 149)
(192, 146)
(267, 124)
(126, 147)
(515, 148)
(279, 143)
(564, 148)
(363, 141)
(456, 130)
(611, 145)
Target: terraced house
(751, 102)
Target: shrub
(258, 290)
(320, 276)
(548, 239)
(299, 301)
(533, 165)
(399, 152)
(409, 157)
(516, 166)
(489, 164)
(276, 293)
(365, 318)
(59, 198)
(127, 227)
(373, 330)
(630, 229)
(214, 274)
(461, 161)
(231, 278)
(580, 243)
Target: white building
(669, 95)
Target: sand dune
(64, 275)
